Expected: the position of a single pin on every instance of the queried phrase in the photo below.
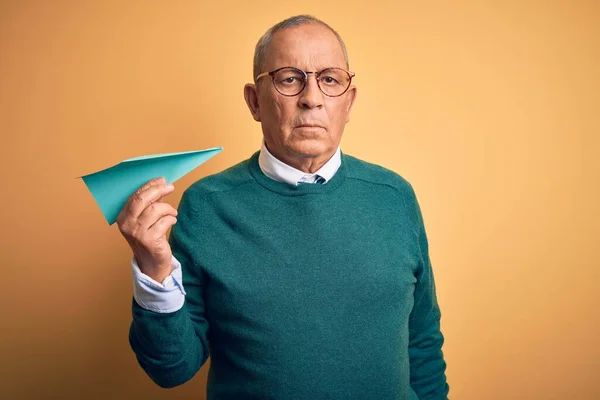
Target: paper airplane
(112, 186)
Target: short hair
(263, 43)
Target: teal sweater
(300, 292)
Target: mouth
(309, 126)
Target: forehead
(310, 47)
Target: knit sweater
(300, 292)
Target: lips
(309, 126)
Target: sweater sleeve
(427, 365)
(171, 347)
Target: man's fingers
(154, 212)
(126, 208)
(137, 203)
(159, 229)
(155, 181)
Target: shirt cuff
(164, 297)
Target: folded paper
(112, 187)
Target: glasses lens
(334, 81)
(289, 81)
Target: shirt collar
(281, 172)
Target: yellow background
(489, 108)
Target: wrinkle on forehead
(311, 47)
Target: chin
(308, 148)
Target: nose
(311, 96)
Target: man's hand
(144, 221)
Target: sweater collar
(282, 172)
(287, 189)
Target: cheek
(337, 116)
(277, 117)
(286, 110)
(272, 108)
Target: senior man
(303, 272)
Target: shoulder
(397, 186)
(378, 175)
(229, 179)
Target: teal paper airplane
(112, 187)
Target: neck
(307, 164)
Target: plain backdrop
(489, 108)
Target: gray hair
(263, 43)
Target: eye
(329, 80)
(289, 80)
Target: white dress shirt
(281, 172)
(169, 295)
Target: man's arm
(172, 346)
(427, 365)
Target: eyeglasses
(290, 81)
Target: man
(303, 272)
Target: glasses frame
(305, 73)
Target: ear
(251, 97)
(350, 96)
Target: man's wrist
(157, 273)
(162, 297)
